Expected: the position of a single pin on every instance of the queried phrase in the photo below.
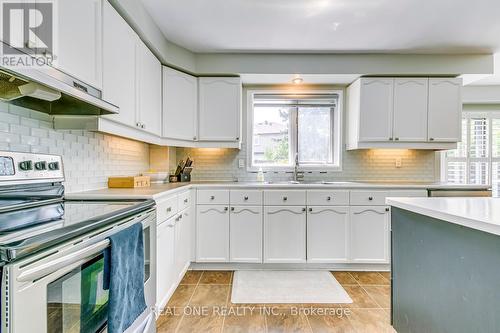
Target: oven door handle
(45, 269)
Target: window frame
(467, 115)
(336, 137)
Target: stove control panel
(26, 166)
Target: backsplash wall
(88, 157)
(368, 165)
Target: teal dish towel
(125, 264)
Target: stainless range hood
(51, 91)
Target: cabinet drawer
(184, 200)
(360, 198)
(284, 198)
(213, 197)
(166, 208)
(327, 198)
(246, 197)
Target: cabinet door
(180, 105)
(245, 242)
(119, 61)
(327, 234)
(149, 106)
(78, 50)
(284, 234)
(212, 233)
(376, 107)
(410, 109)
(182, 242)
(220, 108)
(445, 110)
(369, 234)
(165, 254)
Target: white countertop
(157, 190)
(476, 213)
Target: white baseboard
(307, 266)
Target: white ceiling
(340, 79)
(403, 26)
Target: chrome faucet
(297, 175)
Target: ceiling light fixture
(297, 80)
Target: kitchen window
(477, 157)
(283, 126)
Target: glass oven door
(77, 301)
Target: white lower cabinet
(182, 242)
(212, 233)
(165, 249)
(245, 232)
(369, 234)
(284, 234)
(327, 234)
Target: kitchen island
(445, 264)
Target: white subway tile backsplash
(89, 158)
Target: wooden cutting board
(129, 182)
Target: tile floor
(202, 303)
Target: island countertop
(476, 213)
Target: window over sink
(284, 125)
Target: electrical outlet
(399, 163)
(241, 163)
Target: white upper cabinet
(375, 110)
(219, 108)
(410, 109)
(119, 66)
(78, 47)
(149, 76)
(445, 108)
(131, 75)
(180, 105)
(412, 113)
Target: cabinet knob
(245, 197)
(185, 200)
(328, 198)
(226, 209)
(143, 125)
(431, 139)
(194, 138)
(285, 198)
(212, 197)
(304, 209)
(180, 216)
(390, 139)
(232, 209)
(397, 139)
(370, 198)
(310, 209)
(237, 138)
(138, 124)
(387, 209)
(169, 209)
